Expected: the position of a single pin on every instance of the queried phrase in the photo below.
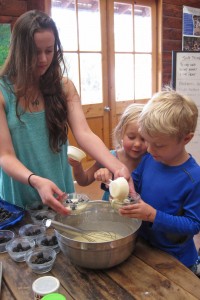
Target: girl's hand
(139, 210)
(103, 175)
(50, 194)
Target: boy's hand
(140, 210)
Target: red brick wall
(172, 31)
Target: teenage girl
(38, 105)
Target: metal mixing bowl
(99, 216)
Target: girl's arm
(87, 140)
(83, 177)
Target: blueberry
(4, 214)
(20, 248)
(4, 239)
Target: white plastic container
(44, 286)
(75, 153)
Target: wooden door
(104, 56)
(132, 53)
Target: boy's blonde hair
(170, 113)
(130, 115)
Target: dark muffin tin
(10, 214)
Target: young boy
(168, 178)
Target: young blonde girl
(129, 149)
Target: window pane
(143, 34)
(123, 27)
(63, 13)
(143, 76)
(79, 25)
(89, 26)
(124, 77)
(71, 60)
(91, 78)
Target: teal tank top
(30, 139)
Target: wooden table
(147, 274)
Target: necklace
(35, 102)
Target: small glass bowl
(41, 260)
(5, 237)
(38, 216)
(76, 203)
(32, 231)
(48, 241)
(18, 247)
(116, 204)
(37, 207)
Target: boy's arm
(83, 177)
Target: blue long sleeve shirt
(174, 191)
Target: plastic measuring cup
(119, 188)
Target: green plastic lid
(54, 296)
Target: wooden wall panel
(8, 19)
(172, 32)
(192, 3)
(12, 7)
(35, 4)
(172, 10)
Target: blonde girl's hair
(130, 115)
(168, 112)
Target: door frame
(102, 121)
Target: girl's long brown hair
(20, 66)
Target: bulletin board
(186, 80)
